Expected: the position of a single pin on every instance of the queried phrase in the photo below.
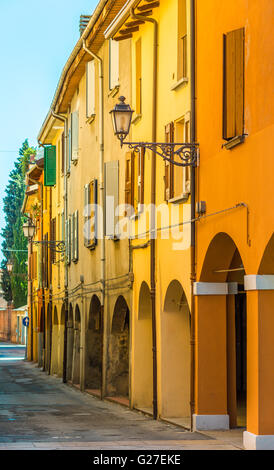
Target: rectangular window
(113, 64)
(74, 236)
(138, 65)
(90, 89)
(90, 215)
(182, 40)
(129, 182)
(233, 84)
(63, 153)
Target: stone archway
(70, 342)
(143, 355)
(55, 342)
(93, 370)
(175, 361)
(118, 358)
(221, 332)
(48, 337)
(61, 341)
(76, 347)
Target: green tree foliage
(15, 286)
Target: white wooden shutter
(74, 135)
(76, 235)
(90, 88)
(113, 63)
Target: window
(134, 181)
(63, 154)
(233, 86)
(90, 214)
(182, 40)
(113, 64)
(177, 178)
(129, 180)
(138, 67)
(74, 135)
(90, 89)
(74, 228)
(45, 262)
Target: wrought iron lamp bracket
(187, 154)
(57, 246)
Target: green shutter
(50, 166)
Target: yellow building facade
(162, 297)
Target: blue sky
(36, 38)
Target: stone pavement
(38, 411)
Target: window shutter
(74, 135)
(138, 52)
(86, 217)
(69, 149)
(112, 196)
(141, 166)
(63, 153)
(53, 238)
(76, 236)
(169, 170)
(182, 40)
(39, 266)
(113, 63)
(50, 166)
(129, 179)
(90, 88)
(233, 87)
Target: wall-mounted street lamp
(9, 266)
(29, 230)
(121, 120)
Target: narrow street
(38, 411)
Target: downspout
(193, 197)
(42, 236)
(101, 178)
(65, 121)
(153, 201)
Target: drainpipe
(101, 177)
(193, 197)
(153, 201)
(42, 236)
(65, 121)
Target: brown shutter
(233, 106)
(53, 239)
(129, 181)
(141, 174)
(169, 169)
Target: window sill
(178, 199)
(239, 139)
(137, 118)
(114, 91)
(179, 83)
(90, 119)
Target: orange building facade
(234, 289)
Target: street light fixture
(9, 266)
(187, 153)
(29, 230)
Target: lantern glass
(121, 118)
(9, 266)
(28, 229)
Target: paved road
(38, 411)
